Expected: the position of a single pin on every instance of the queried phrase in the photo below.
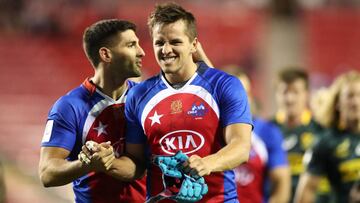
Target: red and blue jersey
(190, 119)
(266, 154)
(83, 114)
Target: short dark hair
(169, 13)
(101, 34)
(290, 74)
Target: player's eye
(133, 44)
(176, 42)
(159, 43)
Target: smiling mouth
(168, 59)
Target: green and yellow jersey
(337, 155)
(297, 140)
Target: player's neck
(111, 87)
(350, 125)
(293, 121)
(181, 76)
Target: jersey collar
(91, 87)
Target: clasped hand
(98, 156)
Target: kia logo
(187, 141)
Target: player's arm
(306, 189)
(237, 137)
(122, 168)
(132, 165)
(315, 162)
(236, 121)
(237, 149)
(55, 170)
(278, 168)
(280, 179)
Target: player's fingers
(92, 146)
(194, 173)
(109, 163)
(193, 158)
(96, 156)
(108, 157)
(186, 168)
(83, 158)
(106, 152)
(106, 144)
(86, 151)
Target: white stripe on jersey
(97, 109)
(260, 148)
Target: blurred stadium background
(41, 58)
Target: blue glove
(191, 190)
(178, 185)
(171, 165)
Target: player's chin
(136, 73)
(168, 69)
(133, 73)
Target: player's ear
(194, 43)
(105, 54)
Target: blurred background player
(337, 155)
(266, 176)
(294, 118)
(95, 111)
(179, 109)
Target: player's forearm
(229, 157)
(126, 169)
(307, 196)
(280, 183)
(57, 172)
(306, 189)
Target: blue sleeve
(61, 126)
(134, 131)
(273, 141)
(234, 105)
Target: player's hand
(99, 156)
(197, 166)
(85, 154)
(199, 55)
(103, 156)
(354, 196)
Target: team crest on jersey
(342, 150)
(187, 141)
(176, 107)
(198, 110)
(307, 140)
(243, 175)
